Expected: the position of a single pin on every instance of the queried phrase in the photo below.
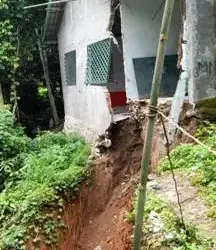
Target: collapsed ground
(44, 204)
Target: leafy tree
(20, 54)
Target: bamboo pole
(165, 26)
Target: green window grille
(99, 57)
(70, 67)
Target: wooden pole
(44, 61)
(165, 26)
(1, 96)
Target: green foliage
(199, 161)
(16, 36)
(42, 92)
(13, 146)
(12, 138)
(206, 132)
(40, 173)
(162, 229)
(8, 58)
(20, 62)
(11, 28)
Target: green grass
(199, 162)
(37, 177)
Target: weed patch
(199, 162)
(38, 175)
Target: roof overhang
(53, 18)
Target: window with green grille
(99, 56)
(70, 67)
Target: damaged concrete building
(107, 53)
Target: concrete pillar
(199, 51)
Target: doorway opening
(116, 86)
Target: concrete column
(199, 52)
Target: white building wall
(199, 50)
(141, 35)
(84, 22)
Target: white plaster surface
(141, 35)
(199, 52)
(84, 22)
(177, 104)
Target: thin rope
(155, 109)
(173, 174)
(189, 135)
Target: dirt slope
(96, 217)
(108, 229)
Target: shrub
(36, 174)
(56, 166)
(13, 142)
(12, 138)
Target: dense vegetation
(162, 229)
(35, 177)
(199, 162)
(22, 78)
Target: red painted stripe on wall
(118, 99)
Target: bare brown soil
(100, 208)
(97, 216)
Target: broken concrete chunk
(98, 248)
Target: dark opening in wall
(116, 86)
(116, 29)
